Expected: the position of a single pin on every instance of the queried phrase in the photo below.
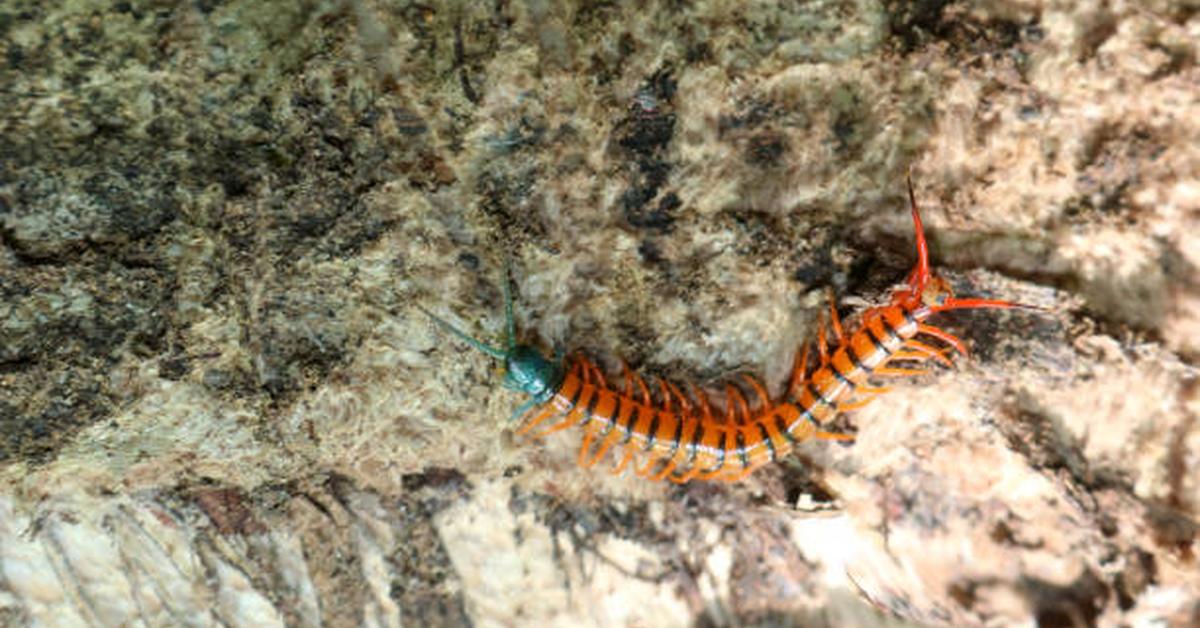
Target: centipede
(681, 436)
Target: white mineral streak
(501, 556)
(118, 561)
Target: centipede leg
(589, 436)
(799, 370)
(547, 412)
(713, 474)
(822, 344)
(764, 400)
(627, 375)
(944, 336)
(685, 406)
(686, 477)
(917, 345)
(579, 366)
(666, 470)
(909, 354)
(847, 406)
(567, 421)
(838, 331)
(723, 473)
(666, 395)
(734, 397)
(731, 432)
(702, 399)
(895, 371)
(629, 451)
(605, 445)
(745, 473)
(653, 460)
(641, 384)
(597, 375)
(576, 415)
(847, 438)
(706, 419)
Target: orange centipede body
(681, 437)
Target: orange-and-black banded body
(681, 437)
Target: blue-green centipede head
(526, 370)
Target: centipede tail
(681, 437)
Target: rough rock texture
(220, 404)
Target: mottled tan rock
(221, 404)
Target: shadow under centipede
(586, 524)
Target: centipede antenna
(462, 335)
(510, 325)
(977, 304)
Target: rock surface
(220, 403)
